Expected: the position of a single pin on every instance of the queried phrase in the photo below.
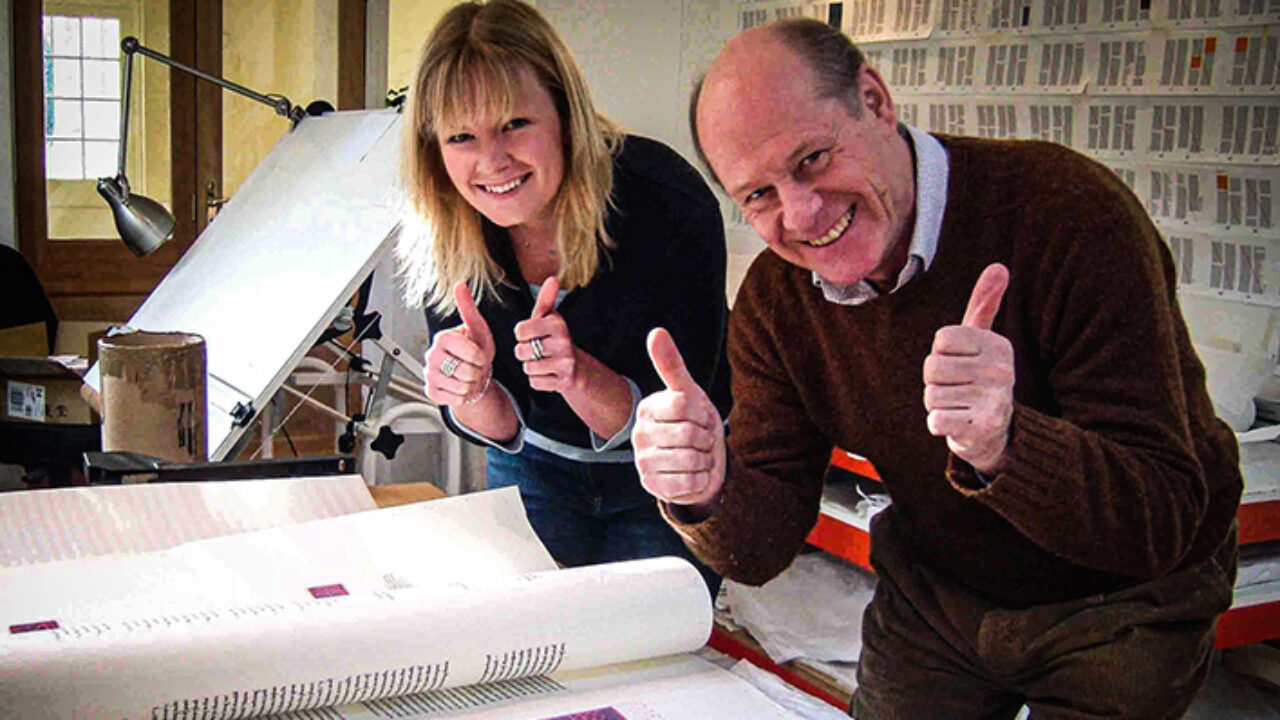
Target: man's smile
(835, 231)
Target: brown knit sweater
(1117, 470)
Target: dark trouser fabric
(933, 650)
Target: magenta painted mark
(33, 627)
(324, 591)
(604, 713)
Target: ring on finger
(536, 345)
(448, 366)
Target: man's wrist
(695, 512)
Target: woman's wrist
(484, 389)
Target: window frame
(101, 273)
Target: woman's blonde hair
(470, 66)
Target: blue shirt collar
(932, 166)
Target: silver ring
(536, 344)
(448, 366)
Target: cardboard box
(44, 390)
(24, 341)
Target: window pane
(68, 122)
(91, 28)
(66, 36)
(63, 160)
(101, 37)
(82, 112)
(101, 79)
(111, 38)
(66, 78)
(100, 159)
(101, 120)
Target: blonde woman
(553, 244)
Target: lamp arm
(281, 104)
(124, 122)
(145, 224)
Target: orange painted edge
(1248, 625)
(841, 540)
(857, 465)
(1259, 522)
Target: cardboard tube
(154, 390)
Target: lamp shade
(143, 223)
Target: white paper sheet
(1260, 468)
(844, 502)
(446, 541)
(800, 703)
(1258, 435)
(782, 617)
(38, 526)
(1258, 570)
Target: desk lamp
(143, 223)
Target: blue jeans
(590, 513)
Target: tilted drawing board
(268, 275)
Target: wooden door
(100, 279)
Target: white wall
(8, 222)
(1180, 100)
(640, 60)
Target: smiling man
(994, 325)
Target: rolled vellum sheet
(275, 657)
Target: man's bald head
(832, 60)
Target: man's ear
(875, 96)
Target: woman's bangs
(476, 85)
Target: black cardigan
(667, 269)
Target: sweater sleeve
(775, 461)
(1105, 475)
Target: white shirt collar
(932, 169)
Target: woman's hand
(544, 346)
(460, 360)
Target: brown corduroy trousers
(933, 650)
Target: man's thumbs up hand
(667, 361)
(969, 379)
(984, 301)
(678, 436)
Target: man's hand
(544, 346)
(678, 435)
(459, 362)
(969, 377)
